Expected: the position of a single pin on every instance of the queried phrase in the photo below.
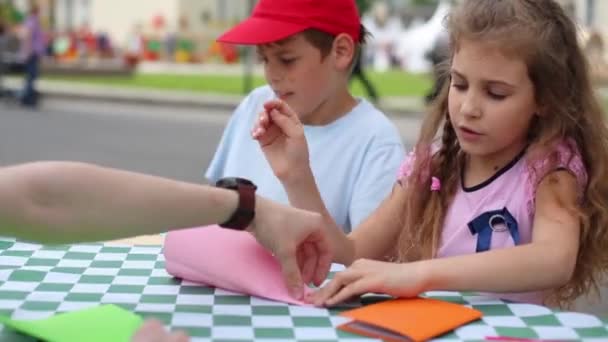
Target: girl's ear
(344, 51)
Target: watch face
(233, 182)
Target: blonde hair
(539, 32)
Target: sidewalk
(83, 91)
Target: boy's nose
(273, 76)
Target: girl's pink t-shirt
(509, 193)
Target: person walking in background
(358, 71)
(32, 49)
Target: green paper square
(316, 322)
(98, 324)
(494, 310)
(278, 333)
(226, 320)
(26, 275)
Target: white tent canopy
(413, 44)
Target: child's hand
(281, 137)
(364, 276)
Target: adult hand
(298, 239)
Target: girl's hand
(281, 137)
(364, 276)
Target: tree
(363, 6)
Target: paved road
(171, 142)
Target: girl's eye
(287, 61)
(496, 96)
(460, 87)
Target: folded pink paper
(226, 259)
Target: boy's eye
(287, 60)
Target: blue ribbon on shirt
(485, 224)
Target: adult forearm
(518, 269)
(64, 202)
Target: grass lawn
(392, 83)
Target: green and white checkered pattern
(38, 281)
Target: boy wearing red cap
(308, 48)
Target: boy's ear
(344, 51)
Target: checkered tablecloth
(38, 281)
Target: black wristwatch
(245, 212)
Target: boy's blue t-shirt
(354, 159)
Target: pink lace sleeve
(406, 167)
(566, 157)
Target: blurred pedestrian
(358, 71)
(32, 49)
(3, 49)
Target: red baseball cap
(274, 20)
